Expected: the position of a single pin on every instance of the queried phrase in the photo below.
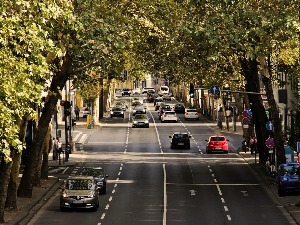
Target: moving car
(164, 90)
(162, 108)
(179, 108)
(169, 116)
(79, 192)
(116, 112)
(121, 105)
(140, 120)
(217, 144)
(180, 140)
(288, 178)
(191, 114)
(145, 90)
(139, 109)
(126, 91)
(158, 102)
(99, 176)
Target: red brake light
(196, 113)
(186, 113)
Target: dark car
(116, 112)
(126, 91)
(99, 175)
(288, 178)
(79, 192)
(180, 140)
(179, 108)
(140, 120)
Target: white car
(169, 116)
(191, 114)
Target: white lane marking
(165, 196)
(219, 190)
(83, 138)
(110, 198)
(113, 191)
(225, 208)
(66, 170)
(215, 180)
(121, 168)
(115, 185)
(213, 175)
(156, 131)
(119, 173)
(77, 136)
(107, 206)
(103, 215)
(222, 200)
(229, 217)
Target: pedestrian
(245, 145)
(77, 110)
(252, 144)
(54, 149)
(59, 147)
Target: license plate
(180, 143)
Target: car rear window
(191, 110)
(181, 136)
(170, 113)
(217, 138)
(289, 170)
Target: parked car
(126, 91)
(140, 120)
(180, 140)
(169, 116)
(116, 112)
(179, 108)
(86, 112)
(99, 175)
(122, 105)
(288, 178)
(79, 192)
(191, 114)
(217, 144)
(139, 109)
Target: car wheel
(62, 209)
(185, 118)
(207, 152)
(280, 192)
(171, 146)
(122, 116)
(111, 116)
(104, 191)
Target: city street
(150, 183)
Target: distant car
(139, 109)
(86, 112)
(99, 175)
(79, 192)
(116, 112)
(136, 103)
(169, 116)
(126, 91)
(180, 140)
(217, 144)
(136, 91)
(121, 105)
(150, 97)
(179, 108)
(140, 120)
(288, 178)
(191, 114)
(164, 90)
(157, 102)
(162, 108)
(145, 90)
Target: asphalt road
(151, 184)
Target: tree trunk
(5, 168)
(101, 99)
(48, 146)
(57, 84)
(259, 117)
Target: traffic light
(192, 90)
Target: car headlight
(111, 112)
(135, 122)
(65, 195)
(146, 121)
(133, 111)
(144, 110)
(122, 112)
(284, 179)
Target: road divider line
(155, 127)
(165, 196)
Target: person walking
(54, 149)
(76, 110)
(59, 147)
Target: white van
(164, 90)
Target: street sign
(249, 111)
(270, 143)
(245, 113)
(269, 125)
(214, 90)
(245, 121)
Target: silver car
(80, 192)
(140, 120)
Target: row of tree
(45, 43)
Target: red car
(217, 144)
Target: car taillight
(196, 113)
(186, 113)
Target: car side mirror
(170, 136)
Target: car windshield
(140, 116)
(117, 109)
(178, 106)
(92, 172)
(217, 138)
(164, 88)
(177, 136)
(289, 170)
(166, 107)
(170, 113)
(79, 184)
